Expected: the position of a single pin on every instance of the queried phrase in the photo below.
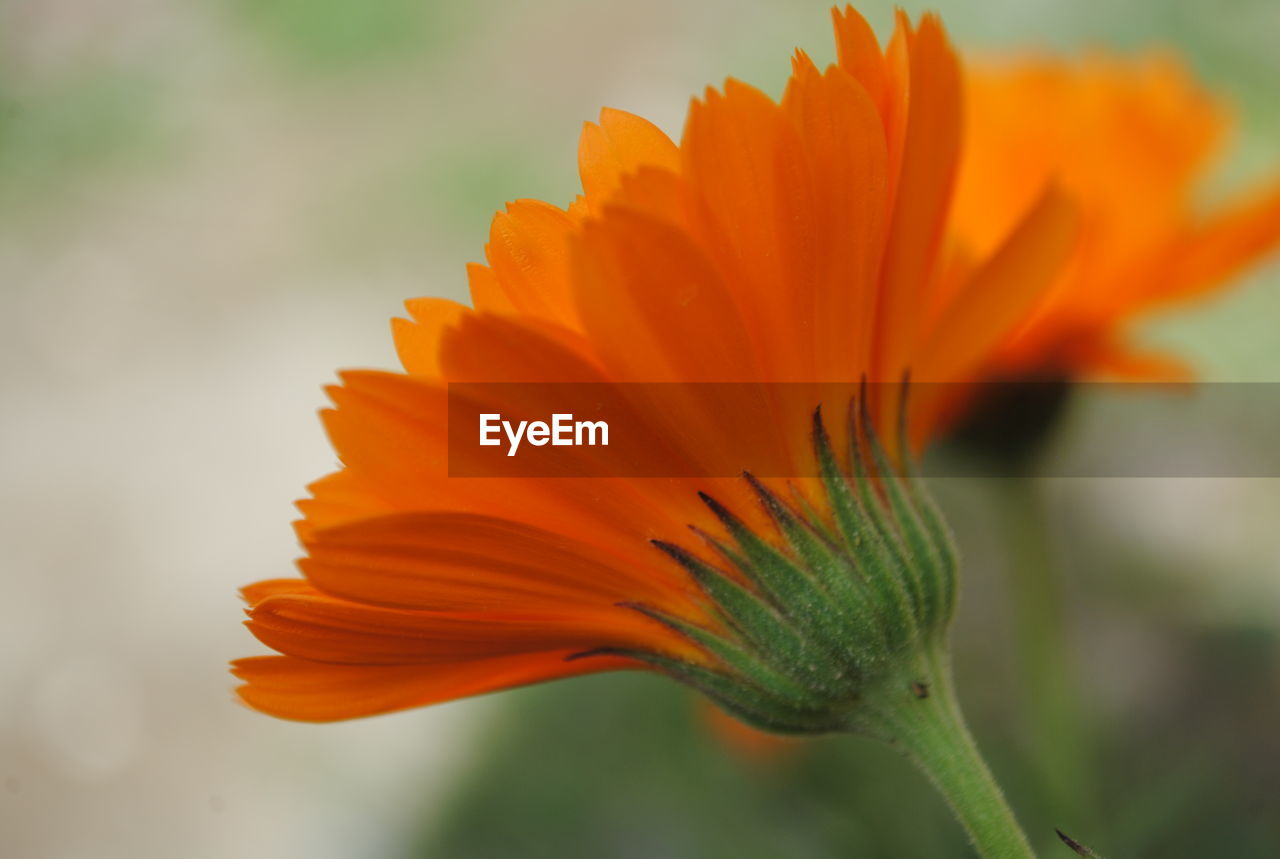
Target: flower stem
(923, 719)
(1058, 733)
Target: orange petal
(306, 691)
(259, 591)
(654, 307)
(491, 348)
(658, 194)
(391, 431)
(336, 498)
(527, 255)
(743, 162)
(418, 340)
(858, 53)
(621, 144)
(1000, 292)
(929, 156)
(1108, 358)
(325, 629)
(848, 203)
(1230, 241)
(659, 311)
(468, 562)
(487, 294)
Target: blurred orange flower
(1131, 141)
(799, 240)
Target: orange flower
(1130, 140)
(801, 240)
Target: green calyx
(838, 621)
(836, 612)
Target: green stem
(923, 719)
(1057, 729)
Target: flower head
(801, 240)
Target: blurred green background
(208, 207)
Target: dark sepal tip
(1076, 846)
(772, 503)
(722, 513)
(596, 651)
(763, 491)
(864, 408)
(640, 656)
(648, 612)
(706, 538)
(904, 403)
(819, 427)
(681, 556)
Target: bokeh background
(208, 207)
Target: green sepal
(865, 543)
(745, 702)
(930, 517)
(876, 501)
(833, 612)
(738, 660)
(778, 642)
(792, 588)
(835, 572)
(923, 557)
